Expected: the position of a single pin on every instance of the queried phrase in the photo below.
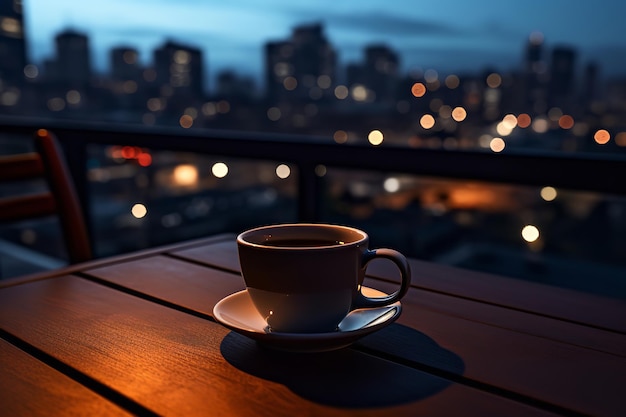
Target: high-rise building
(229, 84)
(562, 70)
(301, 68)
(378, 73)
(125, 63)
(73, 65)
(535, 75)
(180, 68)
(589, 91)
(12, 42)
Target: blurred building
(12, 43)
(562, 77)
(535, 74)
(378, 74)
(302, 68)
(125, 63)
(180, 70)
(72, 66)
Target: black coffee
(301, 243)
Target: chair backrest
(60, 200)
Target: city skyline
(225, 46)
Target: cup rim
(241, 238)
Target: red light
(144, 159)
(129, 152)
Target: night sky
(449, 36)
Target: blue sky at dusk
(449, 36)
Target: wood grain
(517, 321)
(194, 287)
(223, 255)
(178, 364)
(513, 293)
(585, 380)
(30, 388)
(536, 367)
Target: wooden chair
(59, 200)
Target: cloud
(382, 24)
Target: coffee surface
(301, 243)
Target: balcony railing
(601, 173)
(596, 173)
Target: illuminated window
(11, 27)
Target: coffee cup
(306, 278)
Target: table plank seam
(508, 307)
(202, 263)
(85, 380)
(468, 382)
(144, 296)
(512, 329)
(99, 263)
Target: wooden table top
(135, 335)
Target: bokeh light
(530, 233)
(418, 90)
(602, 137)
(494, 80)
(359, 93)
(342, 92)
(185, 175)
(524, 120)
(219, 169)
(375, 137)
(290, 83)
(452, 81)
(274, 114)
(340, 136)
(185, 121)
(427, 121)
(139, 211)
(283, 171)
(540, 125)
(497, 145)
(566, 121)
(391, 185)
(459, 114)
(548, 193)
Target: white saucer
(237, 312)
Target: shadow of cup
(347, 377)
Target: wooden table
(135, 335)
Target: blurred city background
(518, 91)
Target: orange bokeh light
(602, 136)
(418, 90)
(523, 120)
(186, 121)
(566, 121)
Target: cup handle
(405, 271)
